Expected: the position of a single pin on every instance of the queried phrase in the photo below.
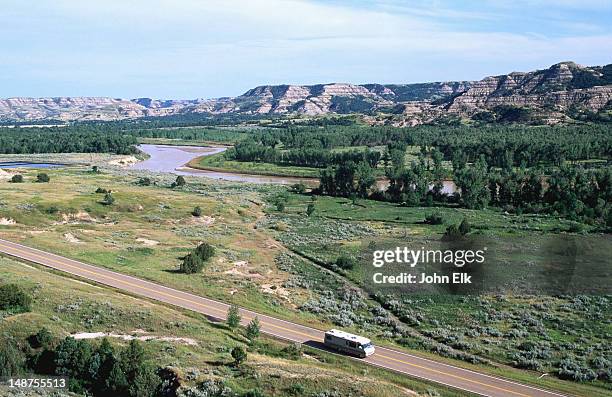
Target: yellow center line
(60, 263)
(291, 331)
(451, 375)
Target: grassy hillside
(281, 262)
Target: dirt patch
(201, 220)
(75, 218)
(5, 174)
(147, 242)
(275, 290)
(124, 161)
(140, 337)
(71, 238)
(241, 269)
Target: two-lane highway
(386, 358)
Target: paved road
(387, 358)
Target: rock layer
(551, 92)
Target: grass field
(195, 348)
(218, 162)
(279, 262)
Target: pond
(27, 164)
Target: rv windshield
(367, 346)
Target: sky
(183, 49)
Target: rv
(349, 343)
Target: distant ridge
(561, 92)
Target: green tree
(145, 181)
(233, 316)
(192, 263)
(13, 298)
(253, 329)
(117, 383)
(464, 227)
(11, 358)
(365, 179)
(145, 382)
(179, 182)
(18, 178)
(473, 182)
(42, 178)
(197, 211)
(345, 262)
(42, 339)
(239, 355)
(72, 359)
(310, 209)
(205, 251)
(108, 199)
(280, 206)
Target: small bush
(13, 298)
(205, 251)
(239, 355)
(17, 178)
(464, 227)
(233, 317)
(434, 219)
(102, 190)
(345, 262)
(197, 211)
(310, 209)
(179, 182)
(299, 188)
(192, 263)
(145, 181)
(293, 351)
(42, 178)
(108, 199)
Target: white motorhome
(348, 343)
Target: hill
(562, 92)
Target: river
(174, 159)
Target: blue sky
(204, 49)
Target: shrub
(205, 251)
(108, 199)
(11, 358)
(464, 227)
(42, 178)
(13, 298)
(192, 263)
(570, 369)
(233, 316)
(239, 355)
(145, 181)
(345, 262)
(280, 206)
(102, 190)
(179, 182)
(42, 339)
(434, 219)
(197, 211)
(310, 209)
(292, 351)
(17, 178)
(253, 329)
(299, 188)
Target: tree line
(250, 150)
(74, 139)
(570, 191)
